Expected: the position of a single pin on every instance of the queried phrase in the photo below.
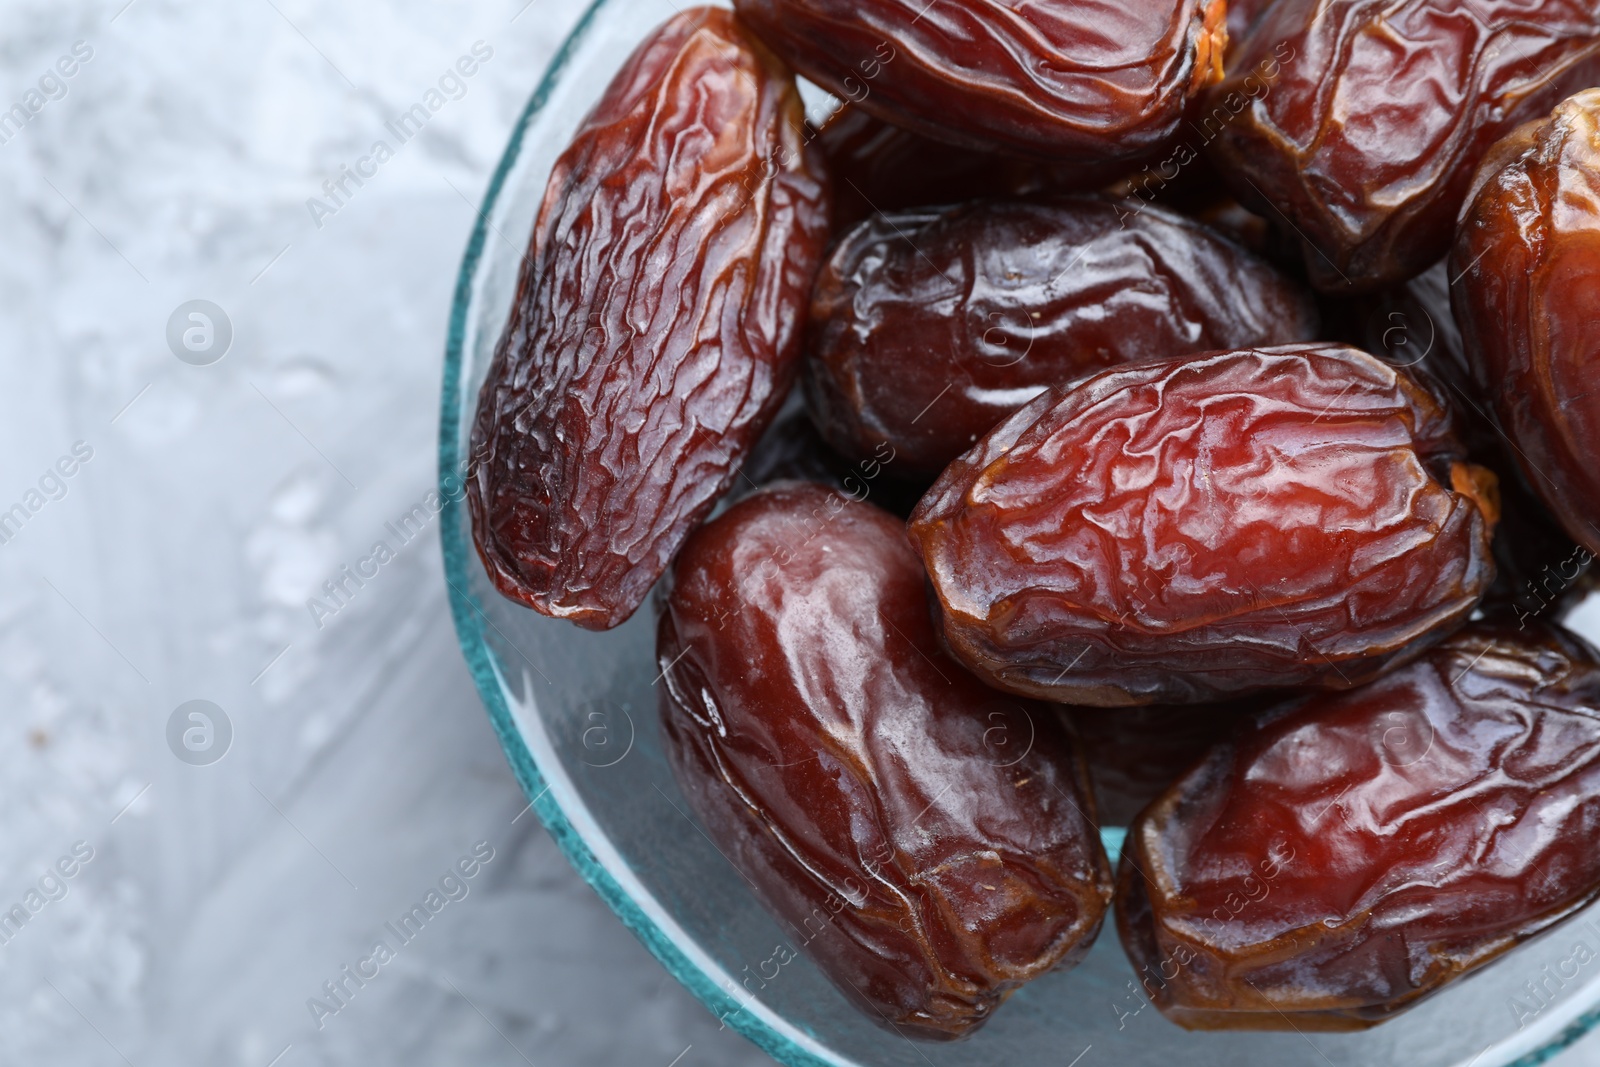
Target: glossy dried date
(1412, 327)
(1242, 18)
(1087, 81)
(790, 450)
(1188, 529)
(1527, 290)
(928, 328)
(1186, 182)
(878, 167)
(1363, 120)
(1355, 852)
(928, 841)
(656, 322)
(1134, 754)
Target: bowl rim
(458, 552)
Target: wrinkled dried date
(927, 328)
(1412, 327)
(1189, 184)
(1527, 292)
(1134, 754)
(792, 450)
(655, 325)
(1242, 18)
(924, 837)
(1372, 114)
(1351, 855)
(1188, 529)
(1084, 81)
(878, 167)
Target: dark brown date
(928, 841)
(927, 328)
(1134, 754)
(792, 450)
(1355, 852)
(1412, 326)
(877, 167)
(1242, 18)
(1090, 81)
(1527, 291)
(655, 327)
(1361, 121)
(1187, 182)
(1188, 529)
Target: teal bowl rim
(459, 554)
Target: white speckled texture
(178, 564)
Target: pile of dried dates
(1172, 414)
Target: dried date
(1362, 121)
(1188, 529)
(927, 328)
(928, 841)
(1188, 183)
(1355, 852)
(878, 167)
(792, 450)
(1527, 291)
(655, 327)
(789, 450)
(1412, 327)
(1134, 754)
(1083, 82)
(1242, 18)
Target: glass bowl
(576, 714)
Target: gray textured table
(176, 163)
(185, 158)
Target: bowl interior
(576, 713)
